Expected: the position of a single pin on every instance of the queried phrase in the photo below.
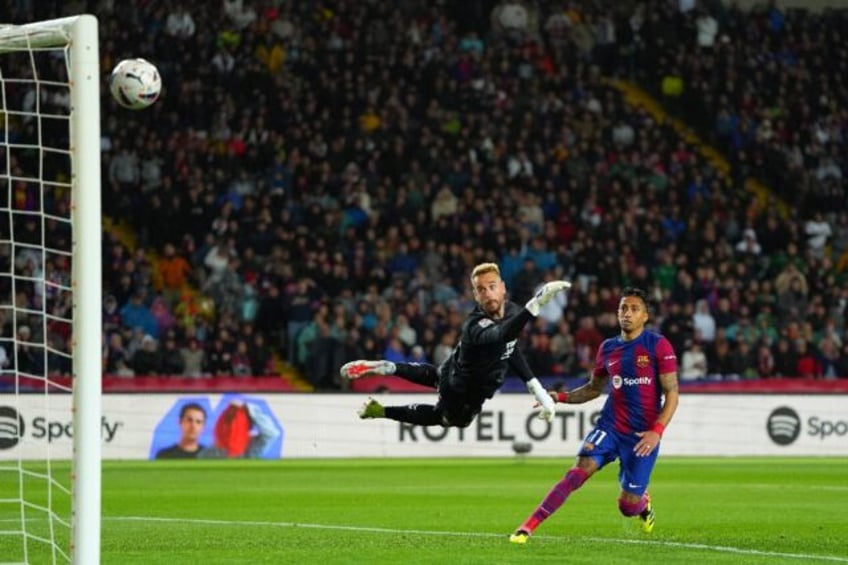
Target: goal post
(87, 287)
(74, 40)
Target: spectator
(135, 314)
(829, 353)
(28, 355)
(766, 366)
(417, 355)
(241, 363)
(842, 362)
(792, 302)
(563, 349)
(218, 357)
(444, 348)
(123, 370)
(112, 320)
(707, 28)
(193, 359)
(744, 360)
(174, 271)
(807, 366)
(703, 321)
(748, 244)
(721, 361)
(147, 359)
(261, 356)
(553, 311)
(587, 335)
(172, 361)
(323, 353)
(301, 309)
(180, 24)
(526, 281)
(693, 362)
(115, 354)
(818, 232)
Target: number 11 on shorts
(595, 437)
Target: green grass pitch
(709, 510)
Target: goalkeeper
(478, 364)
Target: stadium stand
(318, 180)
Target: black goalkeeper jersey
(487, 349)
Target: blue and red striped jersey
(634, 367)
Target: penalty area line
(376, 530)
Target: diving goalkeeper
(478, 364)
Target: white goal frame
(80, 34)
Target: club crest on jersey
(643, 360)
(485, 322)
(616, 381)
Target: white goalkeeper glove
(357, 369)
(544, 295)
(543, 398)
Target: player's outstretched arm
(585, 393)
(544, 295)
(482, 330)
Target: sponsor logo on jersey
(509, 346)
(485, 322)
(618, 381)
(643, 361)
(638, 381)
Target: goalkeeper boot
(520, 537)
(372, 409)
(357, 369)
(647, 517)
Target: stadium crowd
(319, 179)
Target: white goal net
(50, 291)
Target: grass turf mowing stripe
(601, 540)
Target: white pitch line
(683, 545)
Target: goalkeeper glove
(544, 295)
(543, 398)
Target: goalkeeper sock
(557, 496)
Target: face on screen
(192, 424)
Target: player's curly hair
(639, 293)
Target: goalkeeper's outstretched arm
(519, 365)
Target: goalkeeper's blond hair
(484, 268)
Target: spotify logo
(11, 427)
(784, 425)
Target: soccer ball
(135, 83)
